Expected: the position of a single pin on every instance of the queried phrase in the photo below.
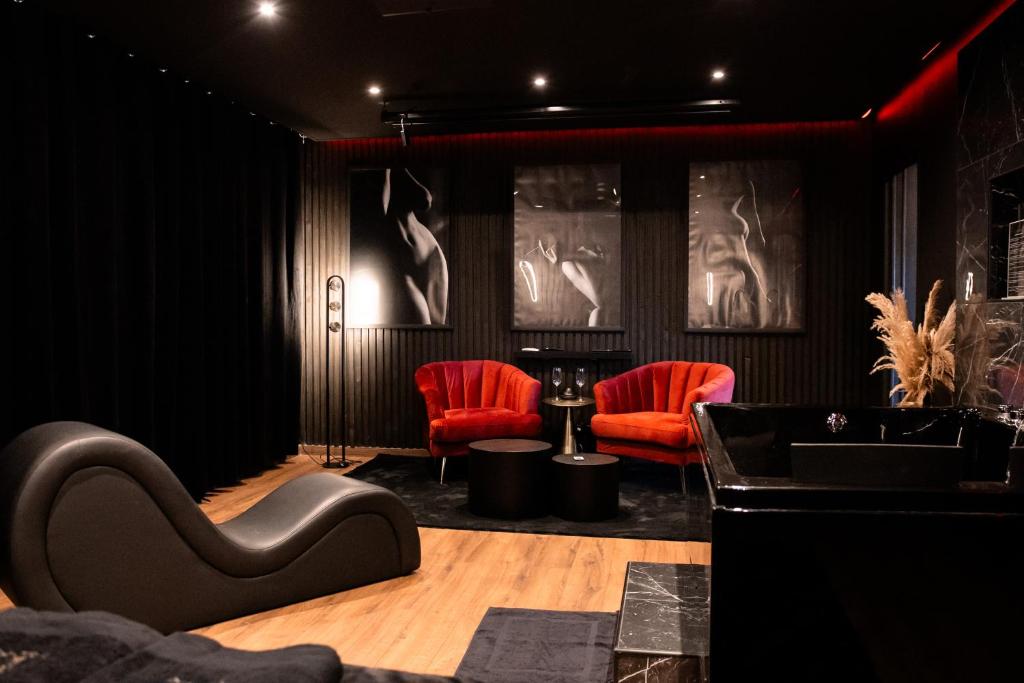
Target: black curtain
(148, 254)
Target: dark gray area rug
(538, 646)
(651, 504)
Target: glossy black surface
(872, 464)
(855, 582)
(749, 453)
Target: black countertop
(746, 453)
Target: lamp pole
(335, 283)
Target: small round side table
(569, 439)
(586, 486)
(507, 477)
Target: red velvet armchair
(476, 399)
(645, 413)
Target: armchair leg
(682, 478)
(444, 461)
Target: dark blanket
(540, 646)
(358, 674)
(96, 647)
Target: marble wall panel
(990, 143)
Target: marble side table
(662, 631)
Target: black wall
(147, 255)
(828, 363)
(919, 127)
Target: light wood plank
(424, 622)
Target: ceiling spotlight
(374, 90)
(539, 81)
(268, 9)
(557, 108)
(867, 113)
(717, 75)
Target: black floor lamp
(335, 283)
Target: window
(901, 236)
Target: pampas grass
(923, 358)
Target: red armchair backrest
(665, 387)
(476, 384)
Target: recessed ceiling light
(268, 9)
(538, 206)
(374, 90)
(557, 108)
(699, 196)
(718, 75)
(867, 113)
(702, 177)
(539, 81)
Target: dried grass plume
(923, 359)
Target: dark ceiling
(309, 67)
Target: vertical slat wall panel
(828, 363)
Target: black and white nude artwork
(746, 246)
(567, 260)
(399, 246)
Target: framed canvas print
(398, 247)
(746, 247)
(567, 248)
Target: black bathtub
(865, 544)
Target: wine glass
(556, 378)
(581, 379)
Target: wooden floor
(424, 622)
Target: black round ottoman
(585, 490)
(506, 477)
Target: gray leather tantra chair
(92, 520)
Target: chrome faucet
(836, 422)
